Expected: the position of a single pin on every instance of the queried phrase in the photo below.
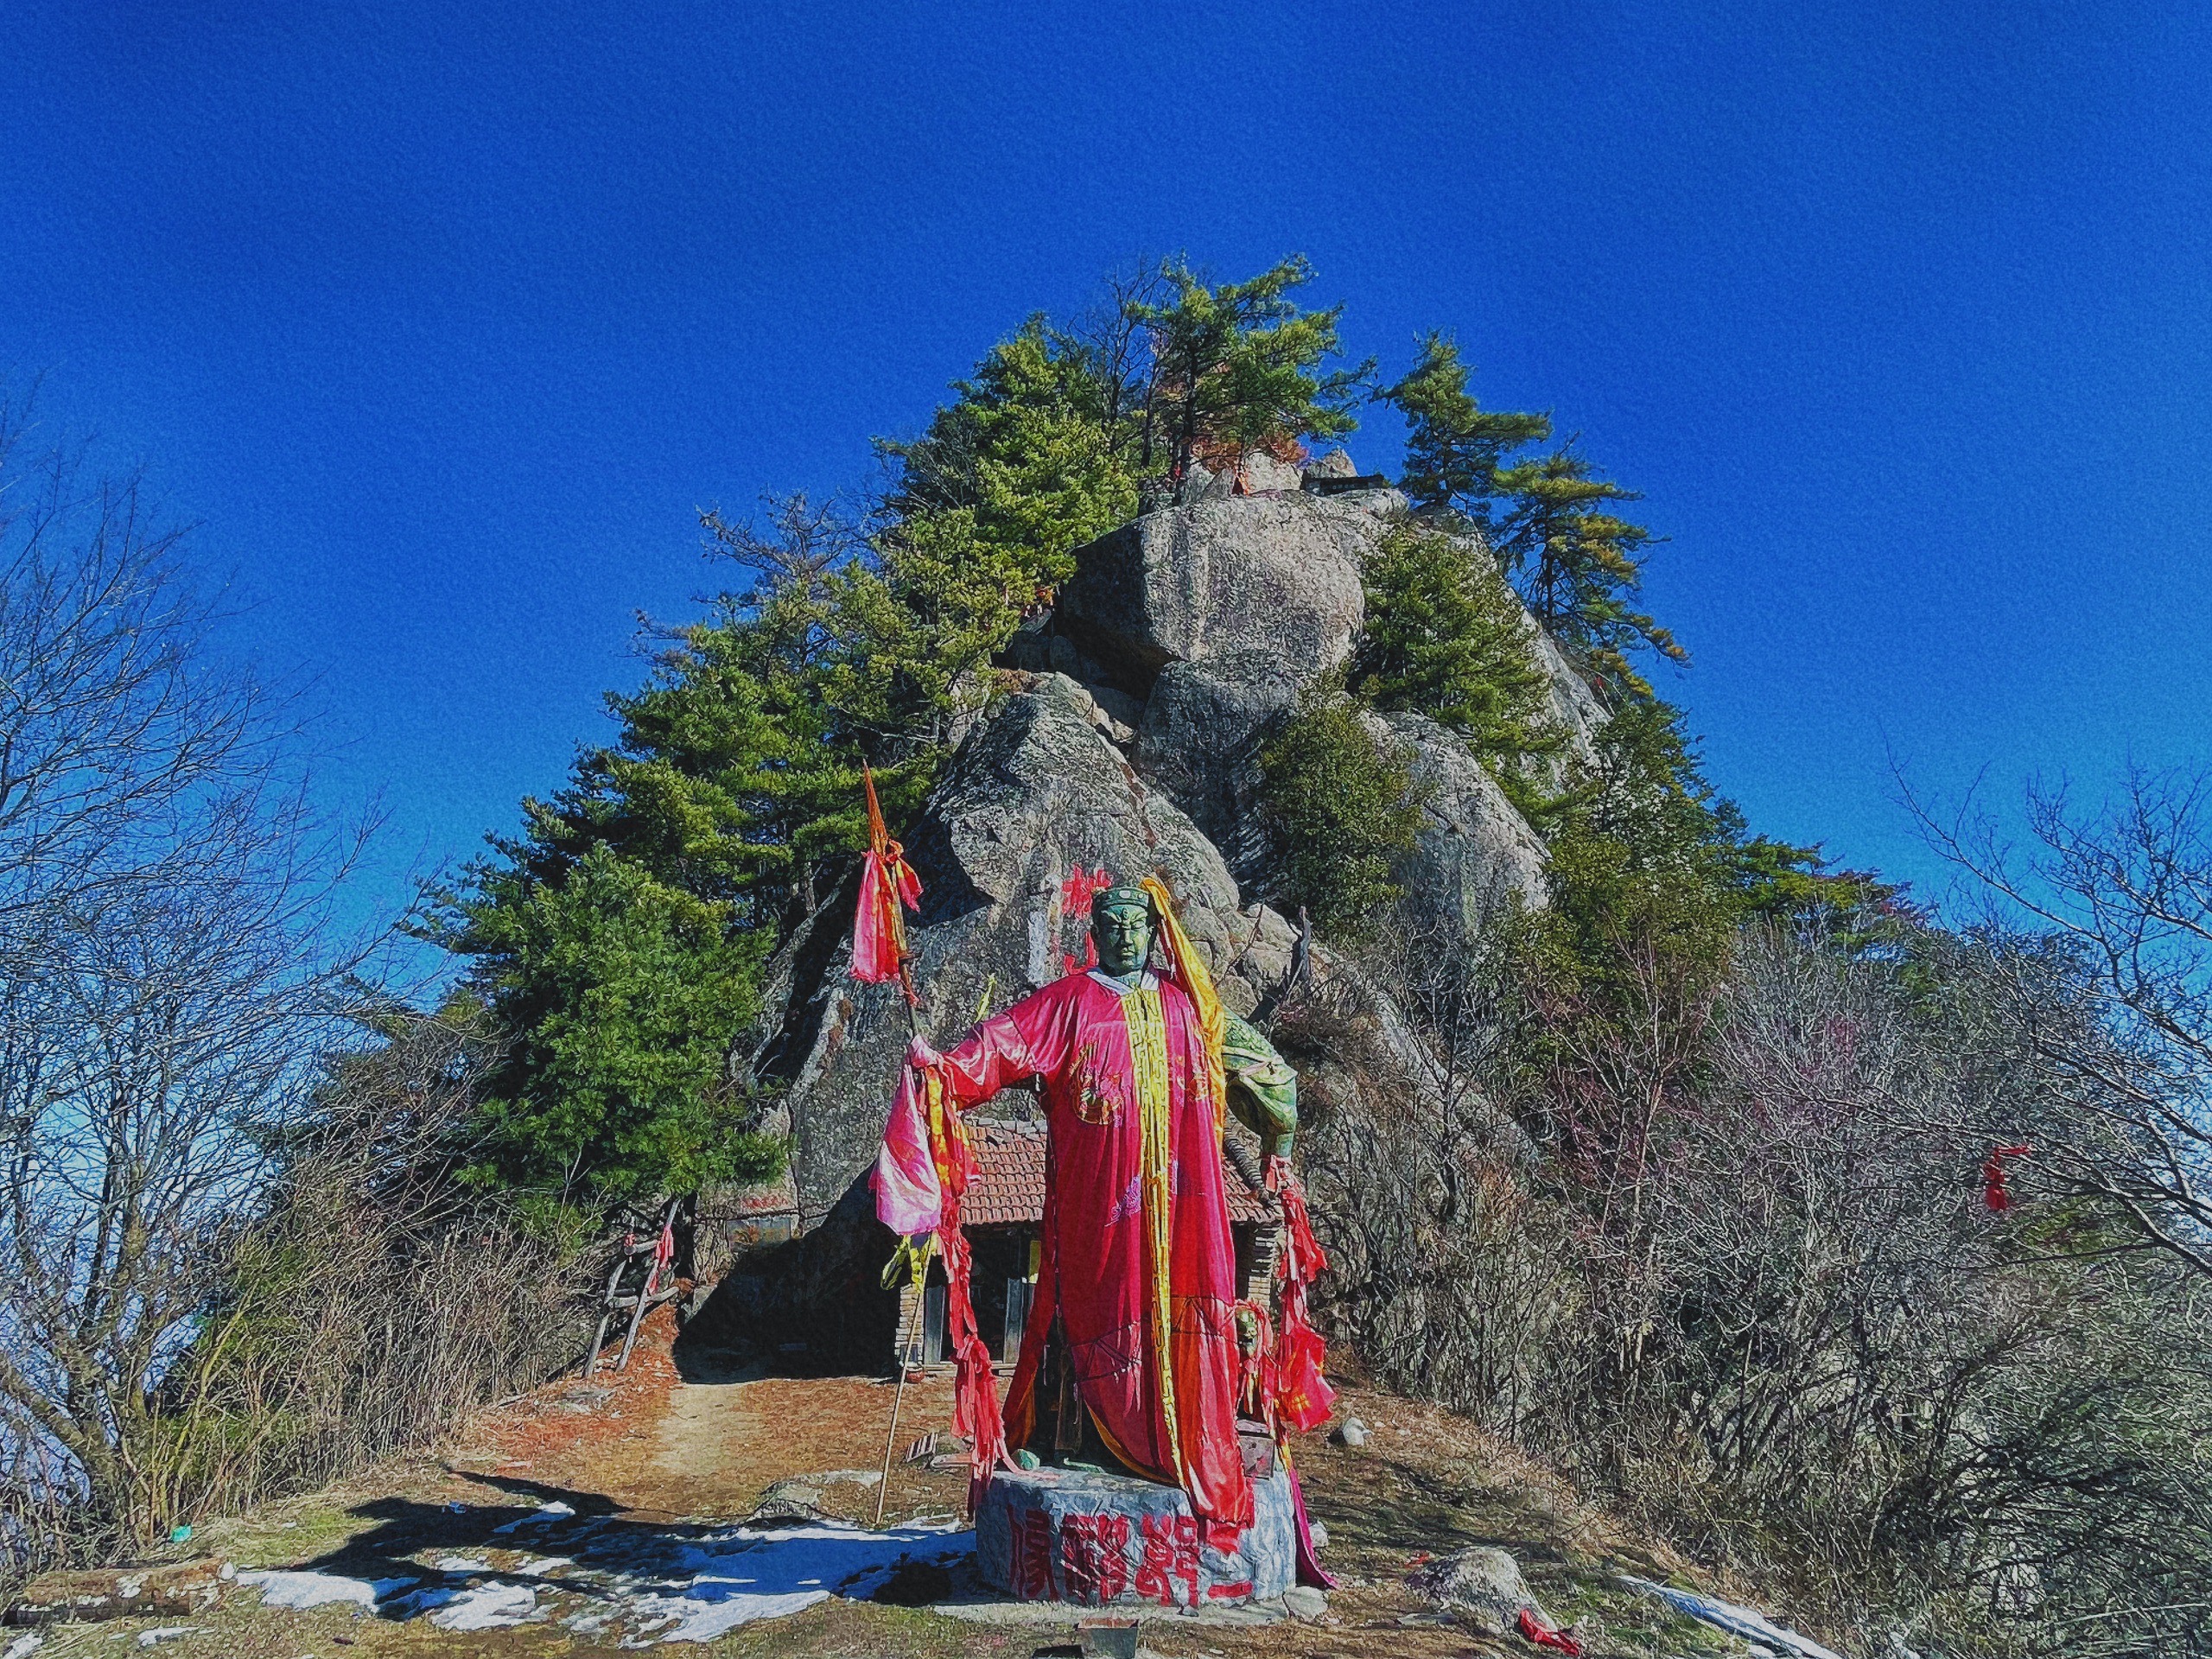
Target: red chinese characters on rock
(1170, 1554)
(1033, 1555)
(1093, 1556)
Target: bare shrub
(176, 1332)
(376, 1302)
(1749, 1287)
(2109, 983)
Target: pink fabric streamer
(909, 1197)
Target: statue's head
(1122, 928)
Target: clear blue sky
(442, 320)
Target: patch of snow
(486, 1607)
(689, 1582)
(1753, 1627)
(538, 1516)
(161, 1633)
(23, 1646)
(744, 1574)
(298, 1590)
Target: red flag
(1076, 894)
(1303, 1396)
(887, 881)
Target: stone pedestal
(1111, 1541)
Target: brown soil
(701, 1438)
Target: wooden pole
(907, 1361)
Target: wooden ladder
(659, 1286)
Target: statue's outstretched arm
(1029, 1039)
(1262, 1087)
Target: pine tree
(1236, 367)
(619, 997)
(1453, 448)
(1580, 566)
(1446, 636)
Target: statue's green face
(1122, 933)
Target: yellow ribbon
(1190, 970)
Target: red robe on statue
(1138, 1258)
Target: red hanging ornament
(1994, 1193)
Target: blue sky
(441, 321)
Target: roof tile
(1007, 1188)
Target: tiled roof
(1008, 1186)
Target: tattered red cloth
(1303, 1397)
(1544, 1636)
(887, 881)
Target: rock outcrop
(1125, 734)
(1036, 792)
(1272, 576)
(1474, 854)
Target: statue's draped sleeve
(1030, 1039)
(1263, 1088)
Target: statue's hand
(919, 1054)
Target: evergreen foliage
(1237, 367)
(1341, 803)
(619, 994)
(1454, 446)
(1444, 636)
(1581, 566)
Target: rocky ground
(599, 1520)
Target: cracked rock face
(1474, 853)
(1275, 576)
(1037, 792)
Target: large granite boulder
(1474, 855)
(1275, 577)
(1199, 740)
(1036, 792)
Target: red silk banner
(1303, 1396)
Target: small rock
(1318, 1534)
(1351, 1432)
(1483, 1621)
(1303, 1601)
(161, 1633)
(1483, 1585)
(1336, 464)
(1260, 474)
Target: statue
(1139, 1064)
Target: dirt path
(558, 1525)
